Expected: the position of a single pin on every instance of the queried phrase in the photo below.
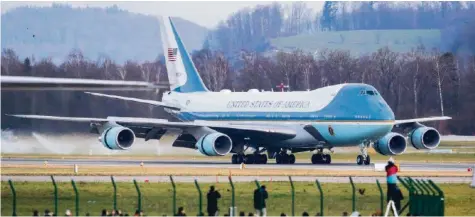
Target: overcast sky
(205, 13)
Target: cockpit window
(368, 92)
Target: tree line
(251, 29)
(419, 83)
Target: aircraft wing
(274, 132)
(151, 102)
(48, 83)
(415, 120)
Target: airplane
(279, 123)
(26, 83)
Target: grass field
(157, 198)
(361, 41)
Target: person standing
(213, 197)
(260, 195)
(393, 193)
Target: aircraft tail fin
(182, 73)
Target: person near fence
(260, 196)
(393, 193)
(181, 211)
(213, 197)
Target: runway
(453, 167)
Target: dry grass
(193, 171)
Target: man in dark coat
(260, 196)
(213, 197)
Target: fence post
(55, 196)
(381, 195)
(232, 197)
(427, 196)
(174, 195)
(420, 197)
(293, 195)
(432, 196)
(257, 183)
(409, 189)
(354, 196)
(14, 197)
(200, 197)
(321, 197)
(441, 198)
(139, 196)
(76, 196)
(115, 192)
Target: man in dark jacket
(213, 197)
(394, 193)
(260, 196)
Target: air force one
(279, 123)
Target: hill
(119, 34)
(360, 41)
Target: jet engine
(425, 138)
(214, 144)
(117, 138)
(391, 144)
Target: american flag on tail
(172, 54)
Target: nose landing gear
(363, 158)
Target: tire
(359, 160)
(234, 159)
(240, 159)
(249, 159)
(264, 159)
(367, 161)
(314, 159)
(317, 159)
(328, 159)
(291, 159)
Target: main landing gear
(321, 158)
(249, 158)
(363, 158)
(284, 158)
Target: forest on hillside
(420, 83)
(250, 29)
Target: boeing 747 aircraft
(279, 123)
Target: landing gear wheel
(367, 161)
(260, 159)
(359, 160)
(249, 159)
(234, 159)
(316, 158)
(328, 159)
(291, 159)
(237, 159)
(264, 159)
